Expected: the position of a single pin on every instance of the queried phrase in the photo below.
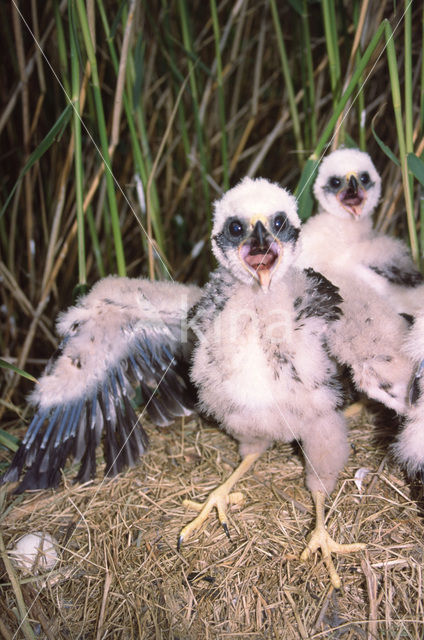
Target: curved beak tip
(264, 276)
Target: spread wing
(125, 334)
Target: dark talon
(225, 527)
(179, 542)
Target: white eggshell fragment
(35, 552)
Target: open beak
(352, 198)
(261, 253)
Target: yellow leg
(219, 498)
(320, 538)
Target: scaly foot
(321, 539)
(219, 498)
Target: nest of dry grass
(120, 575)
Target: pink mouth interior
(260, 262)
(352, 203)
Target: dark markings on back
(395, 275)
(321, 300)
(409, 319)
(215, 295)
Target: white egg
(35, 552)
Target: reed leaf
(416, 167)
(102, 130)
(8, 365)
(9, 441)
(76, 124)
(397, 108)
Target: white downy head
(348, 184)
(255, 231)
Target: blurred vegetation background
(122, 121)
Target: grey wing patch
(321, 298)
(406, 276)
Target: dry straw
(120, 575)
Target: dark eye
(235, 228)
(334, 182)
(279, 221)
(365, 178)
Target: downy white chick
(337, 243)
(382, 293)
(125, 333)
(341, 235)
(260, 365)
